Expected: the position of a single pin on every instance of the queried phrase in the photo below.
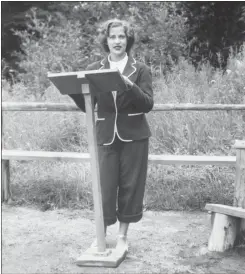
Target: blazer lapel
(105, 63)
(129, 71)
(130, 67)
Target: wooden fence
(34, 106)
(237, 161)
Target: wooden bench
(228, 226)
(228, 222)
(8, 155)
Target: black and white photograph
(123, 137)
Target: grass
(52, 185)
(188, 187)
(55, 184)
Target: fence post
(6, 194)
(239, 191)
(239, 194)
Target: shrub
(56, 49)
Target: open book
(105, 80)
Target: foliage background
(197, 30)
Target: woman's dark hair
(104, 32)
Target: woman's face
(117, 43)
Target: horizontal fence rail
(34, 106)
(85, 157)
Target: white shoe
(122, 243)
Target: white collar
(124, 60)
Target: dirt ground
(169, 242)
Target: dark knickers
(123, 171)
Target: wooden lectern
(79, 83)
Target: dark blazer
(127, 112)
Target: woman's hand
(127, 82)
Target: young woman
(122, 130)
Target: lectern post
(92, 143)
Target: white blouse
(118, 64)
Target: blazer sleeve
(79, 98)
(142, 92)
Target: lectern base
(111, 257)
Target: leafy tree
(56, 49)
(160, 29)
(213, 29)
(14, 17)
(161, 33)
